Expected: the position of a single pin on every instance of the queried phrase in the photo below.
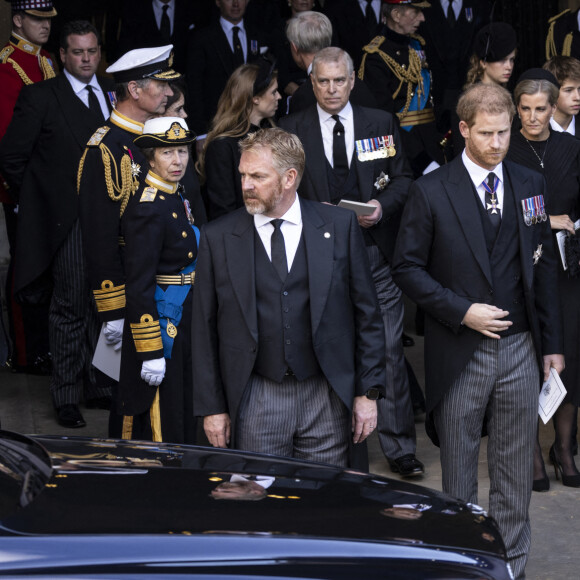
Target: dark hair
(80, 27)
(564, 68)
(122, 89)
(179, 88)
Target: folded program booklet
(356, 206)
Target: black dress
(561, 157)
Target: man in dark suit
(214, 53)
(288, 343)
(449, 30)
(308, 32)
(346, 161)
(161, 22)
(563, 35)
(354, 24)
(39, 155)
(482, 267)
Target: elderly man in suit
(355, 153)
(288, 343)
(482, 267)
(39, 156)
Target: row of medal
(534, 210)
(375, 148)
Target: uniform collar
(125, 123)
(154, 180)
(24, 45)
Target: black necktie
(238, 52)
(339, 150)
(94, 105)
(278, 248)
(451, 15)
(491, 201)
(370, 19)
(165, 25)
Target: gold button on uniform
(190, 255)
(161, 197)
(184, 234)
(174, 215)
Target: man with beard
(475, 252)
(288, 342)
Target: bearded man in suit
(480, 263)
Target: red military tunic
(21, 63)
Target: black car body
(100, 508)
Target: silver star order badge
(135, 169)
(382, 181)
(493, 206)
(537, 254)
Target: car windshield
(25, 469)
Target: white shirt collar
(78, 86)
(346, 113)
(228, 26)
(293, 215)
(479, 174)
(571, 127)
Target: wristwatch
(373, 394)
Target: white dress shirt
(571, 127)
(327, 127)
(80, 90)
(228, 28)
(376, 4)
(291, 229)
(479, 174)
(457, 5)
(158, 11)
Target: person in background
(249, 102)
(23, 62)
(556, 155)
(52, 122)
(155, 394)
(566, 69)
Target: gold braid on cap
(410, 75)
(127, 185)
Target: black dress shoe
(70, 416)
(407, 340)
(542, 484)
(407, 466)
(99, 403)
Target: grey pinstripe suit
(442, 263)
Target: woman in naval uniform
(155, 388)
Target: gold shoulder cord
(411, 75)
(47, 70)
(80, 170)
(551, 49)
(127, 184)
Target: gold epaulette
(148, 194)
(98, 136)
(554, 18)
(419, 38)
(5, 53)
(109, 297)
(146, 334)
(374, 45)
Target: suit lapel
(222, 48)
(239, 249)
(314, 148)
(319, 242)
(81, 121)
(363, 129)
(459, 188)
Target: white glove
(153, 371)
(113, 331)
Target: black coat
(367, 123)
(39, 156)
(565, 29)
(441, 263)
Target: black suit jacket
(347, 331)
(367, 123)
(210, 62)
(39, 156)
(441, 262)
(349, 30)
(139, 27)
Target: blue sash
(418, 103)
(170, 304)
